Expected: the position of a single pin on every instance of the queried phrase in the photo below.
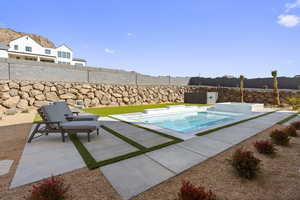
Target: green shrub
(265, 147)
(52, 188)
(294, 102)
(188, 191)
(280, 137)
(245, 163)
(291, 131)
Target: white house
(28, 49)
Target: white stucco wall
(3, 53)
(64, 48)
(24, 41)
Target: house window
(47, 51)
(63, 54)
(78, 64)
(29, 49)
(16, 47)
(65, 63)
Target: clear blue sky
(176, 37)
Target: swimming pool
(187, 122)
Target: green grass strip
(122, 137)
(150, 130)
(91, 163)
(232, 124)
(85, 154)
(288, 118)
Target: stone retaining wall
(24, 94)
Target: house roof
(79, 59)
(3, 46)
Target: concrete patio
(48, 156)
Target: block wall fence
(32, 84)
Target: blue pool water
(186, 122)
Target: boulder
(4, 95)
(23, 104)
(26, 88)
(4, 88)
(24, 95)
(40, 97)
(24, 83)
(53, 89)
(40, 103)
(38, 86)
(13, 92)
(51, 96)
(13, 85)
(34, 93)
(68, 96)
(117, 95)
(11, 102)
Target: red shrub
(265, 147)
(245, 163)
(52, 188)
(280, 137)
(188, 191)
(296, 125)
(291, 131)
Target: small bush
(188, 191)
(280, 137)
(296, 125)
(291, 131)
(294, 102)
(245, 163)
(52, 188)
(265, 147)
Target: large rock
(117, 95)
(51, 96)
(68, 96)
(23, 104)
(40, 103)
(40, 97)
(24, 83)
(13, 85)
(4, 88)
(13, 92)
(84, 91)
(34, 93)
(38, 86)
(4, 95)
(26, 88)
(11, 102)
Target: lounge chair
(73, 116)
(54, 121)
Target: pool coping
(191, 134)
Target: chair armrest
(48, 122)
(76, 113)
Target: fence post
(9, 78)
(169, 79)
(136, 78)
(88, 75)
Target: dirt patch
(84, 183)
(279, 178)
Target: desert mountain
(7, 35)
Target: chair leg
(89, 136)
(34, 132)
(97, 131)
(63, 136)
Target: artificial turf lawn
(105, 111)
